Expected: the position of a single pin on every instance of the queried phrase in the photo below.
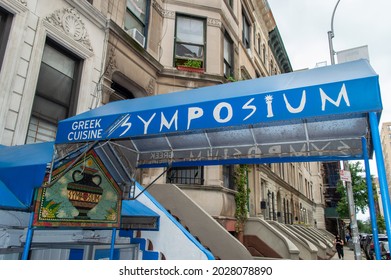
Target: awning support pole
(113, 236)
(29, 238)
(371, 200)
(374, 124)
(352, 212)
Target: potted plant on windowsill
(191, 66)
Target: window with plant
(189, 42)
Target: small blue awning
(135, 215)
(22, 168)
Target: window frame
(246, 32)
(145, 25)
(5, 28)
(229, 176)
(230, 64)
(230, 3)
(180, 60)
(71, 106)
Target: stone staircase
(196, 237)
(206, 230)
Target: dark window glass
(5, 26)
(230, 3)
(228, 176)
(121, 92)
(55, 93)
(228, 56)
(246, 32)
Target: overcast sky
(303, 25)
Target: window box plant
(191, 66)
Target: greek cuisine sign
(325, 100)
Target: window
(229, 176)
(136, 15)
(120, 92)
(230, 3)
(190, 41)
(5, 26)
(246, 32)
(186, 175)
(245, 75)
(55, 93)
(228, 56)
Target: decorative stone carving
(214, 22)
(111, 64)
(68, 20)
(24, 2)
(157, 7)
(163, 12)
(151, 87)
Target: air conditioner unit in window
(137, 35)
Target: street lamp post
(349, 191)
(331, 36)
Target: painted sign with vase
(85, 196)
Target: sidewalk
(348, 254)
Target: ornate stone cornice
(162, 12)
(158, 8)
(68, 20)
(14, 6)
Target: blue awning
(22, 168)
(311, 115)
(135, 215)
